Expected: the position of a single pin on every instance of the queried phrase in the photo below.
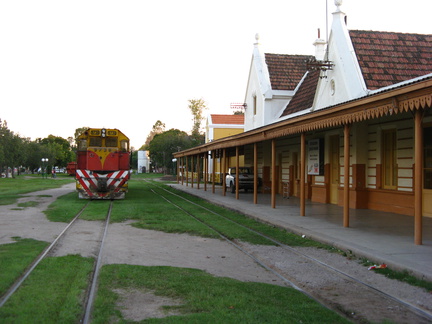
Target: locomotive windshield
(95, 141)
(111, 142)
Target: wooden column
(346, 175)
(198, 170)
(176, 169)
(220, 169)
(237, 183)
(213, 157)
(302, 174)
(187, 170)
(205, 170)
(273, 176)
(182, 169)
(223, 166)
(192, 170)
(418, 178)
(255, 168)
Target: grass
(28, 204)
(157, 214)
(64, 208)
(13, 188)
(403, 276)
(207, 299)
(96, 210)
(291, 239)
(276, 233)
(145, 207)
(152, 212)
(67, 206)
(15, 258)
(53, 293)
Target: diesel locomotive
(103, 164)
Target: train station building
(349, 126)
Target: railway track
(332, 287)
(62, 240)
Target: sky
(127, 64)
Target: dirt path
(128, 245)
(31, 222)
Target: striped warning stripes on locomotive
(95, 185)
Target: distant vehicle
(246, 178)
(59, 170)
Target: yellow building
(220, 126)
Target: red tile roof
(227, 119)
(286, 70)
(305, 94)
(387, 58)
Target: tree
(163, 145)
(134, 158)
(4, 132)
(78, 132)
(11, 148)
(58, 150)
(17, 151)
(34, 151)
(157, 128)
(197, 107)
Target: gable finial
(338, 3)
(257, 38)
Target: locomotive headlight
(103, 132)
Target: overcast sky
(126, 64)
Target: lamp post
(175, 166)
(44, 167)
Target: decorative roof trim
(388, 108)
(406, 98)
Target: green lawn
(13, 188)
(15, 258)
(207, 299)
(53, 293)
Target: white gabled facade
(263, 104)
(258, 89)
(344, 81)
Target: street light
(43, 167)
(175, 166)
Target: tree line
(26, 155)
(22, 154)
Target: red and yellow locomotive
(103, 164)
